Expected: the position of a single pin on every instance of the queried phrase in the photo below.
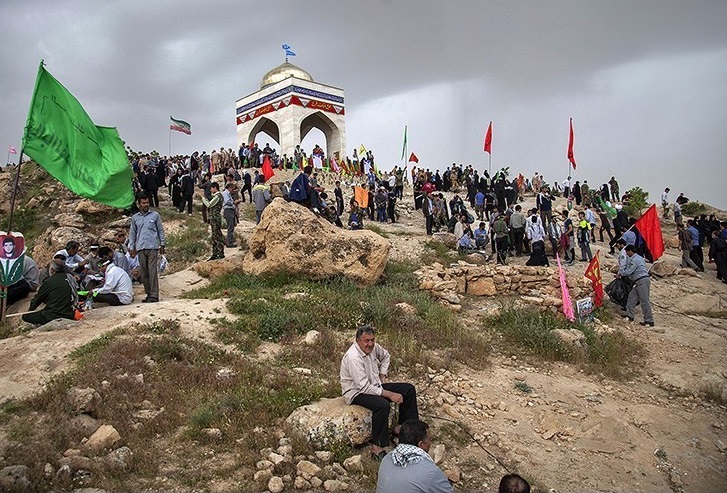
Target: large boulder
(291, 238)
(69, 219)
(57, 239)
(331, 421)
(663, 268)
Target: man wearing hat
(56, 292)
(116, 289)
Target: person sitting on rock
(409, 467)
(363, 383)
(58, 292)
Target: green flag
(88, 159)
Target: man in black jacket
(187, 190)
(150, 184)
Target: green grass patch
(376, 229)
(530, 332)
(188, 244)
(91, 349)
(165, 326)
(523, 387)
(436, 251)
(281, 306)
(713, 392)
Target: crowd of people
(222, 180)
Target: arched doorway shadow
(321, 122)
(267, 126)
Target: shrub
(638, 200)
(531, 332)
(691, 209)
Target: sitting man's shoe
(649, 324)
(150, 299)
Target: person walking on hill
(665, 202)
(685, 245)
(146, 239)
(229, 211)
(635, 269)
(613, 184)
(260, 197)
(186, 189)
(214, 207)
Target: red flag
(413, 158)
(650, 229)
(12, 150)
(267, 168)
(571, 157)
(488, 139)
(593, 273)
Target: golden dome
(282, 72)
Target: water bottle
(89, 303)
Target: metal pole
(170, 143)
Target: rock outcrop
(291, 238)
(535, 285)
(331, 421)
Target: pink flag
(567, 304)
(12, 150)
(334, 165)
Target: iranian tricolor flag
(181, 126)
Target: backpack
(299, 189)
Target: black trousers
(108, 298)
(697, 256)
(18, 291)
(380, 407)
(186, 201)
(519, 235)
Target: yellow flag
(362, 151)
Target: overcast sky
(644, 81)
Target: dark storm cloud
(448, 66)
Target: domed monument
(290, 104)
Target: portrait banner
(12, 258)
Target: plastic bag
(618, 290)
(163, 263)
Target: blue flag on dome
(286, 47)
(289, 53)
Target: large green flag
(61, 137)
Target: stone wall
(535, 285)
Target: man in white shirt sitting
(116, 289)
(363, 383)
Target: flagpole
(489, 166)
(8, 161)
(170, 141)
